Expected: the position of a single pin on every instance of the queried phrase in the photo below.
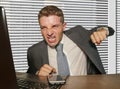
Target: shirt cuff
(37, 73)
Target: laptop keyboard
(26, 84)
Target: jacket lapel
(44, 53)
(87, 46)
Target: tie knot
(59, 47)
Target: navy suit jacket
(37, 54)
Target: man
(78, 45)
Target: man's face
(52, 29)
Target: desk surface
(111, 81)
(93, 82)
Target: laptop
(8, 78)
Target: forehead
(47, 20)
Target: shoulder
(37, 46)
(78, 29)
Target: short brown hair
(51, 10)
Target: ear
(64, 25)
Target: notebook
(8, 78)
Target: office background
(24, 29)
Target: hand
(46, 70)
(98, 36)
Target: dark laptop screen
(7, 72)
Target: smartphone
(56, 79)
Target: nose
(49, 32)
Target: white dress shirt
(75, 56)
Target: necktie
(63, 68)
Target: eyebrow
(52, 26)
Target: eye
(55, 26)
(43, 28)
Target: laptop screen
(7, 71)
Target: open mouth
(51, 39)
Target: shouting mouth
(51, 39)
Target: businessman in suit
(79, 46)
